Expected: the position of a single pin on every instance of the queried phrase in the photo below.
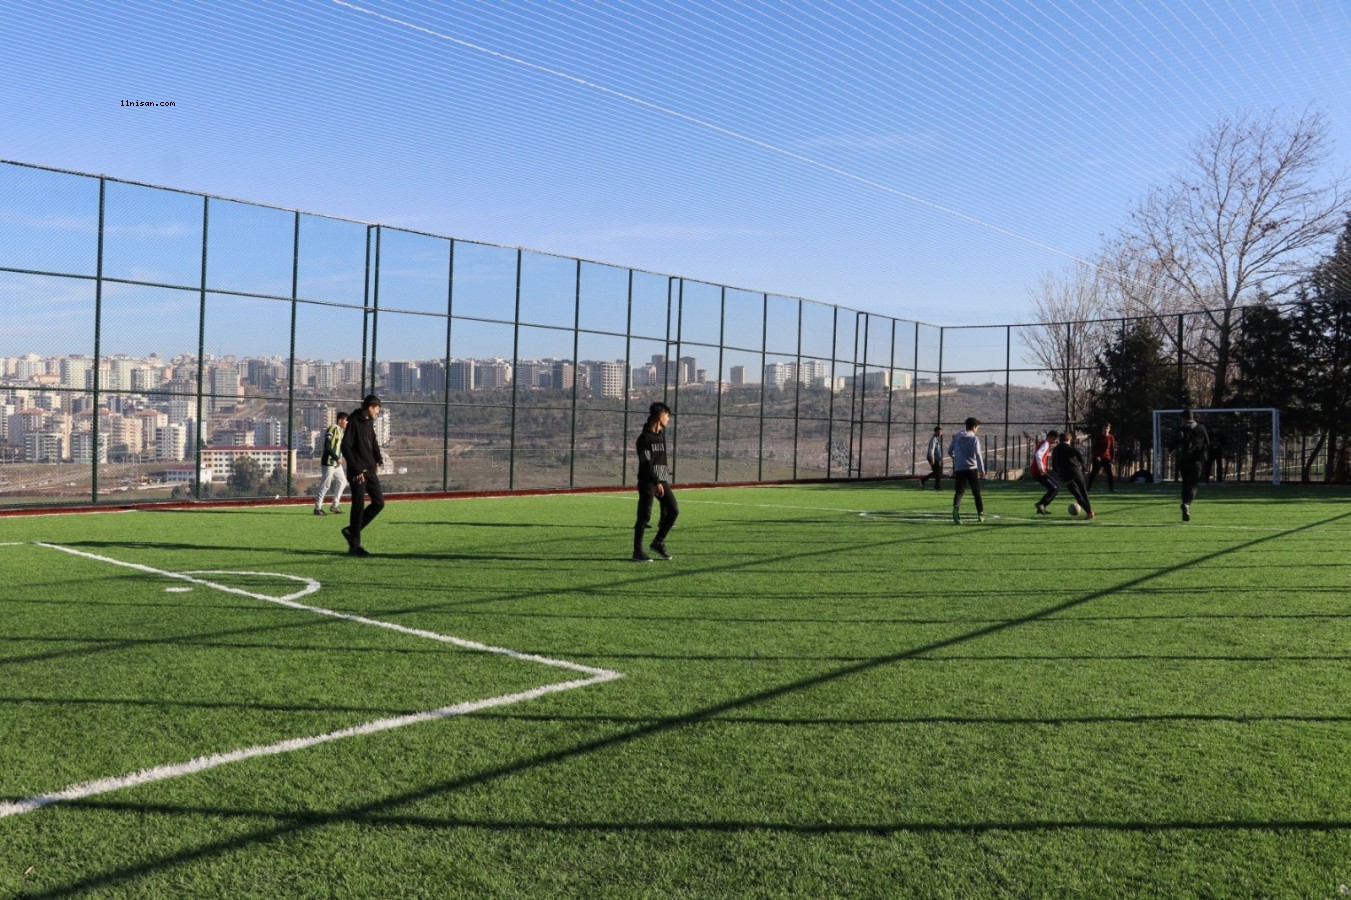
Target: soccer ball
(1074, 509)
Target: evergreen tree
(246, 477)
(1136, 379)
(1327, 310)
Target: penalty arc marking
(99, 786)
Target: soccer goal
(1244, 443)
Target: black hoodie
(360, 449)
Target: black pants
(968, 478)
(669, 511)
(1191, 477)
(363, 510)
(1052, 488)
(936, 473)
(1102, 465)
(1075, 485)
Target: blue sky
(928, 160)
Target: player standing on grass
(967, 468)
(361, 453)
(654, 482)
(1193, 454)
(1103, 447)
(1040, 469)
(1068, 463)
(331, 465)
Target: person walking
(331, 466)
(1040, 469)
(361, 453)
(1102, 447)
(934, 454)
(968, 465)
(1192, 445)
(654, 484)
(1067, 462)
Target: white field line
(311, 586)
(203, 763)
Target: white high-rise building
(82, 447)
(149, 421)
(493, 373)
(43, 446)
(463, 375)
(171, 442)
(605, 378)
(181, 410)
(267, 432)
(223, 383)
(77, 372)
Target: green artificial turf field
(830, 691)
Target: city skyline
(149, 407)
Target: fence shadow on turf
(375, 812)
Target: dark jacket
(1104, 446)
(1193, 444)
(1066, 460)
(360, 449)
(651, 448)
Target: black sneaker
(347, 534)
(358, 551)
(660, 550)
(319, 512)
(640, 556)
(1186, 513)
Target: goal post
(1224, 425)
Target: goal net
(1244, 443)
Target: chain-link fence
(161, 344)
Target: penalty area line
(310, 587)
(87, 789)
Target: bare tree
(1072, 305)
(1139, 287)
(1241, 225)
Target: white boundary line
(203, 763)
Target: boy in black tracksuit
(654, 481)
(1068, 463)
(1193, 453)
(933, 452)
(361, 453)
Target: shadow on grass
(934, 720)
(301, 821)
(207, 704)
(375, 812)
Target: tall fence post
(98, 333)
